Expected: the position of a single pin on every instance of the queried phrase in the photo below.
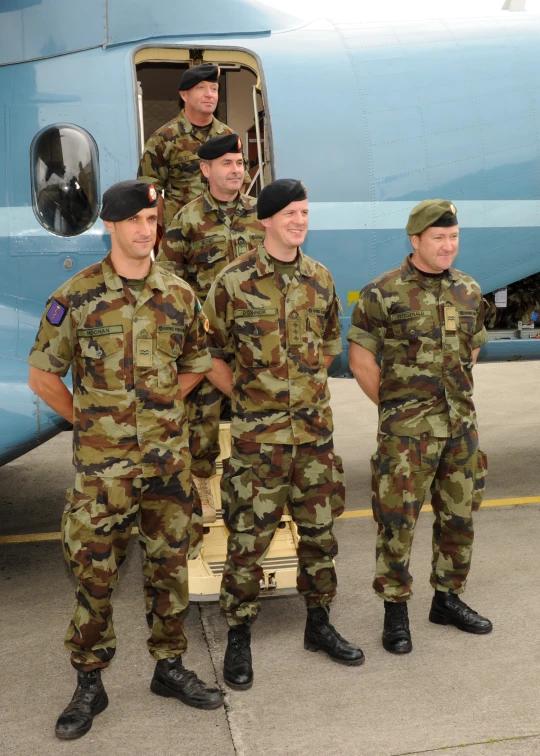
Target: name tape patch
(256, 312)
(408, 315)
(170, 329)
(317, 310)
(91, 333)
(56, 313)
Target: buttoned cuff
(218, 354)
(48, 362)
(363, 339)
(479, 339)
(157, 183)
(199, 365)
(332, 347)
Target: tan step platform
(279, 576)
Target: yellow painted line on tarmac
(510, 502)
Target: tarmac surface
(457, 694)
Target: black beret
(219, 146)
(437, 212)
(126, 198)
(277, 195)
(196, 74)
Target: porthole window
(65, 190)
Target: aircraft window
(65, 191)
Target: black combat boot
(396, 636)
(237, 667)
(172, 680)
(88, 700)
(449, 609)
(320, 635)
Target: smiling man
(202, 239)
(170, 161)
(274, 313)
(135, 342)
(424, 323)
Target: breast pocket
(209, 257)
(413, 339)
(169, 349)
(258, 341)
(103, 361)
(184, 167)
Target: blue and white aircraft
(372, 115)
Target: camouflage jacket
(125, 356)
(426, 355)
(203, 239)
(170, 163)
(278, 336)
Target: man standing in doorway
(425, 322)
(203, 238)
(136, 345)
(274, 312)
(170, 161)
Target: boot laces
(398, 615)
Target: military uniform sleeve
(53, 347)
(332, 332)
(174, 246)
(480, 336)
(368, 321)
(219, 311)
(195, 355)
(153, 166)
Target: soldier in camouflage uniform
(203, 238)
(170, 160)
(425, 321)
(523, 304)
(135, 343)
(275, 313)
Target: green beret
(196, 74)
(219, 146)
(126, 198)
(277, 195)
(437, 212)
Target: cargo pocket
(77, 533)
(480, 480)
(237, 495)
(338, 487)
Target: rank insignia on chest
(450, 318)
(56, 313)
(143, 354)
(294, 330)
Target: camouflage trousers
(404, 469)
(203, 410)
(258, 481)
(96, 528)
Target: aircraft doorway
(240, 98)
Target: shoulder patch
(56, 313)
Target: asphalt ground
(457, 694)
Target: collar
(114, 282)
(409, 273)
(265, 263)
(216, 127)
(211, 204)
